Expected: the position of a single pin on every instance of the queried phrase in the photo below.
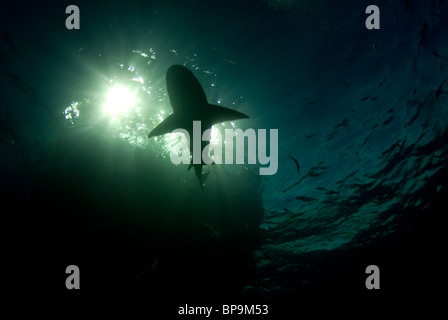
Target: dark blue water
(364, 113)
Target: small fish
(365, 98)
(154, 265)
(212, 231)
(314, 172)
(374, 46)
(423, 33)
(382, 82)
(7, 38)
(306, 199)
(440, 90)
(374, 98)
(414, 64)
(385, 123)
(296, 163)
(437, 54)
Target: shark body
(189, 104)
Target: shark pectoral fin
(221, 114)
(166, 126)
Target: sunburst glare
(119, 100)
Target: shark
(189, 103)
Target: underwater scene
(256, 157)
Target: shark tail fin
(205, 175)
(202, 179)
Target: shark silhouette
(190, 104)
